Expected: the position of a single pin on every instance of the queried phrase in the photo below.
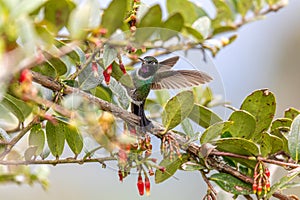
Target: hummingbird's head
(149, 66)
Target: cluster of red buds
(142, 186)
(138, 153)
(170, 147)
(261, 179)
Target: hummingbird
(154, 75)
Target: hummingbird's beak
(141, 59)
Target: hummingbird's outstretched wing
(172, 79)
(168, 63)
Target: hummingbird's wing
(179, 79)
(168, 63)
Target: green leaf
(214, 131)
(223, 29)
(238, 146)
(170, 166)
(57, 12)
(30, 152)
(281, 122)
(191, 166)
(120, 92)
(243, 6)
(109, 55)
(280, 134)
(59, 65)
(162, 96)
(45, 69)
(186, 8)
(151, 19)
(16, 106)
(37, 138)
(279, 185)
(262, 105)
(291, 113)
(172, 26)
(231, 184)
(243, 125)
(177, 109)
(272, 2)
(202, 25)
(87, 79)
(270, 144)
(224, 14)
(102, 93)
(174, 22)
(187, 128)
(84, 17)
(294, 139)
(124, 79)
(197, 35)
(113, 16)
(203, 116)
(74, 139)
(56, 137)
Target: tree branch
(157, 129)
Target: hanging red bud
(259, 189)
(147, 186)
(120, 176)
(151, 172)
(140, 185)
(109, 69)
(106, 77)
(267, 172)
(122, 68)
(254, 188)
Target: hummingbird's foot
(170, 147)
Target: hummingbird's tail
(139, 111)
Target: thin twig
(17, 138)
(55, 162)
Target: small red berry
(140, 185)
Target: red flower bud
(106, 77)
(254, 188)
(147, 186)
(122, 68)
(140, 185)
(148, 153)
(151, 172)
(259, 189)
(162, 169)
(267, 172)
(109, 69)
(268, 186)
(154, 160)
(25, 76)
(120, 175)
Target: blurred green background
(265, 55)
